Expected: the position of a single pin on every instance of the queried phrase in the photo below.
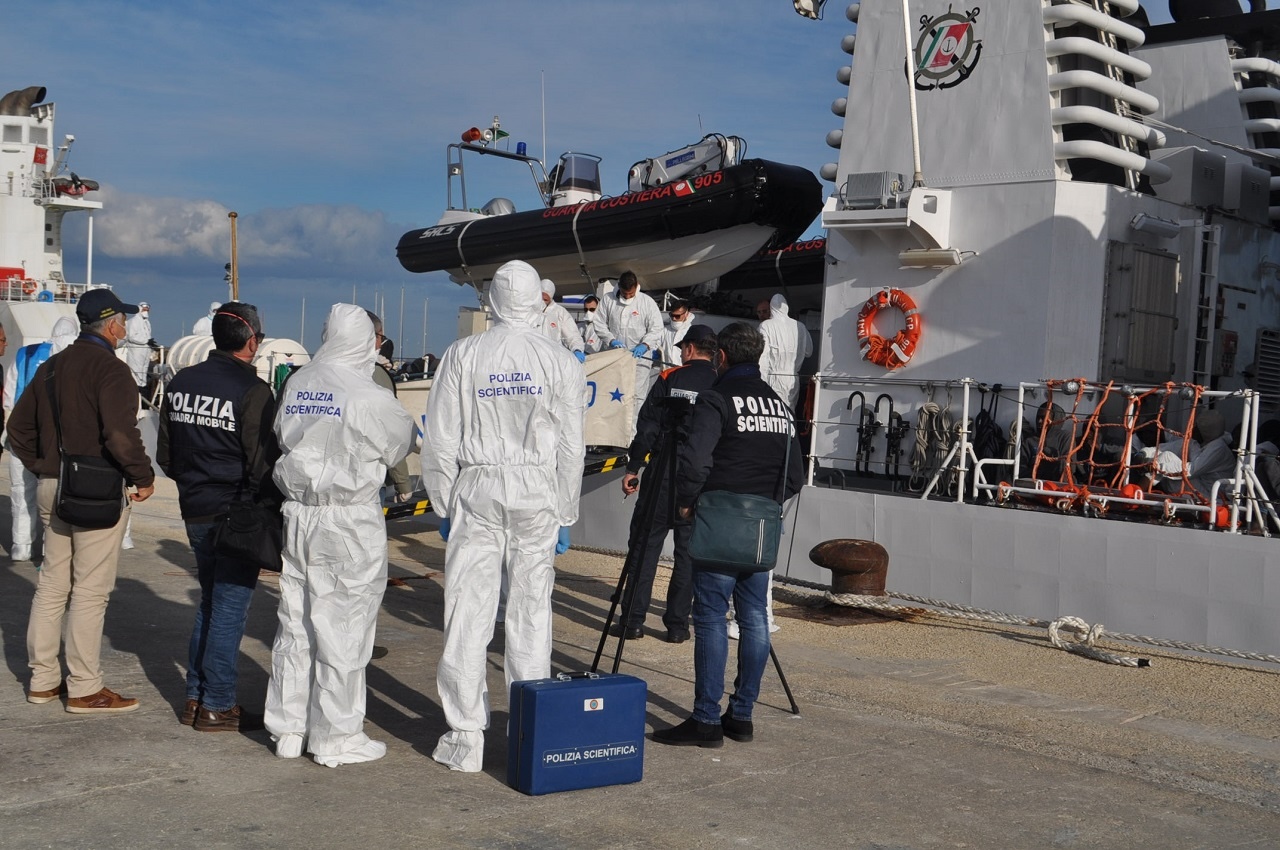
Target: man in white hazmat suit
(204, 324)
(338, 433)
(22, 482)
(502, 464)
(558, 325)
(787, 343)
(628, 318)
(137, 348)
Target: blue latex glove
(562, 542)
(640, 350)
(444, 529)
(582, 358)
(616, 344)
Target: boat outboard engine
(499, 206)
(713, 153)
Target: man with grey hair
(97, 415)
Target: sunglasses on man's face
(679, 317)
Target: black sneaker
(676, 635)
(739, 730)
(691, 733)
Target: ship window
(40, 136)
(13, 132)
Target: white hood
(778, 308)
(65, 331)
(348, 339)
(515, 295)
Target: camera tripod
(662, 470)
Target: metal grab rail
(1242, 493)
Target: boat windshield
(578, 171)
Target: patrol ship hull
(1081, 251)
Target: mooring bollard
(857, 566)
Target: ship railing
(54, 291)
(1236, 503)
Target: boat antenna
(917, 179)
(543, 75)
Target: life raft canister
(889, 353)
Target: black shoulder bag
(91, 492)
(250, 531)
(738, 532)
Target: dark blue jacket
(737, 441)
(215, 422)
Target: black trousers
(640, 589)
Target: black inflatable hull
(778, 200)
(798, 264)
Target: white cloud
(303, 241)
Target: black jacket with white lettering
(685, 381)
(215, 419)
(738, 441)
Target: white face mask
(590, 313)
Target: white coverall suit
(22, 482)
(786, 345)
(632, 321)
(502, 462)
(137, 354)
(338, 433)
(558, 325)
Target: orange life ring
(889, 353)
(28, 287)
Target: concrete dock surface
(926, 733)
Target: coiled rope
(1081, 643)
(934, 435)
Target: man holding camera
(741, 440)
(675, 387)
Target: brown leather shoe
(234, 719)
(105, 701)
(189, 712)
(41, 697)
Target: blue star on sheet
(616, 395)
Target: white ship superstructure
(37, 191)
(1061, 223)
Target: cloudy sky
(324, 126)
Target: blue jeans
(226, 588)
(711, 594)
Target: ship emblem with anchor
(947, 51)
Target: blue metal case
(572, 731)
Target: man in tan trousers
(97, 406)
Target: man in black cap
(657, 416)
(97, 416)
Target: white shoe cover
(20, 552)
(368, 751)
(733, 630)
(127, 542)
(289, 746)
(462, 751)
